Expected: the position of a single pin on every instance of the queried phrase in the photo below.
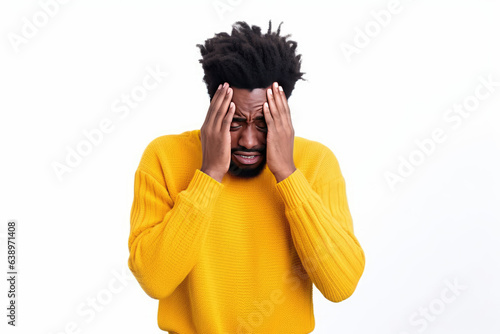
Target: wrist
(214, 175)
(284, 174)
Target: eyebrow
(242, 119)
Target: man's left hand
(280, 133)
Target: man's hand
(280, 133)
(215, 135)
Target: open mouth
(248, 158)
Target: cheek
(262, 138)
(234, 138)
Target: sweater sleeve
(166, 237)
(322, 230)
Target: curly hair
(249, 59)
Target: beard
(248, 172)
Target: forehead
(247, 101)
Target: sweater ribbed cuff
(203, 190)
(295, 189)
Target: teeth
(247, 156)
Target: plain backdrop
(431, 237)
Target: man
(233, 223)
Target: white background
(439, 224)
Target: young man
(233, 223)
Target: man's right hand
(215, 135)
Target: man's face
(248, 132)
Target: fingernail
(281, 89)
(267, 105)
(275, 85)
(228, 91)
(219, 86)
(270, 91)
(225, 84)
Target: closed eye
(260, 123)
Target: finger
(285, 105)
(214, 98)
(278, 100)
(268, 117)
(284, 99)
(282, 105)
(273, 109)
(216, 102)
(226, 123)
(217, 92)
(223, 109)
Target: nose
(248, 137)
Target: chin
(247, 172)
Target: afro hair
(249, 59)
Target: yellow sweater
(240, 256)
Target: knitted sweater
(240, 256)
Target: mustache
(242, 149)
